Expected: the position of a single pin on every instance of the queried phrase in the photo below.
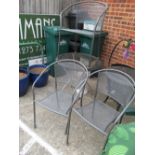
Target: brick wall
(120, 24)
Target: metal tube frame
(80, 86)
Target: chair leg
(121, 119)
(118, 107)
(34, 115)
(106, 99)
(66, 130)
(68, 127)
(81, 99)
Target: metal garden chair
(117, 85)
(63, 89)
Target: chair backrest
(87, 13)
(124, 68)
(68, 75)
(115, 84)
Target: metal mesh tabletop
(91, 62)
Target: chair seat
(100, 117)
(60, 107)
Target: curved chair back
(64, 87)
(84, 14)
(115, 84)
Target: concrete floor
(84, 139)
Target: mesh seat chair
(63, 88)
(115, 84)
(83, 15)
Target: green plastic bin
(52, 38)
(86, 41)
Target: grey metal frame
(116, 119)
(105, 5)
(74, 97)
